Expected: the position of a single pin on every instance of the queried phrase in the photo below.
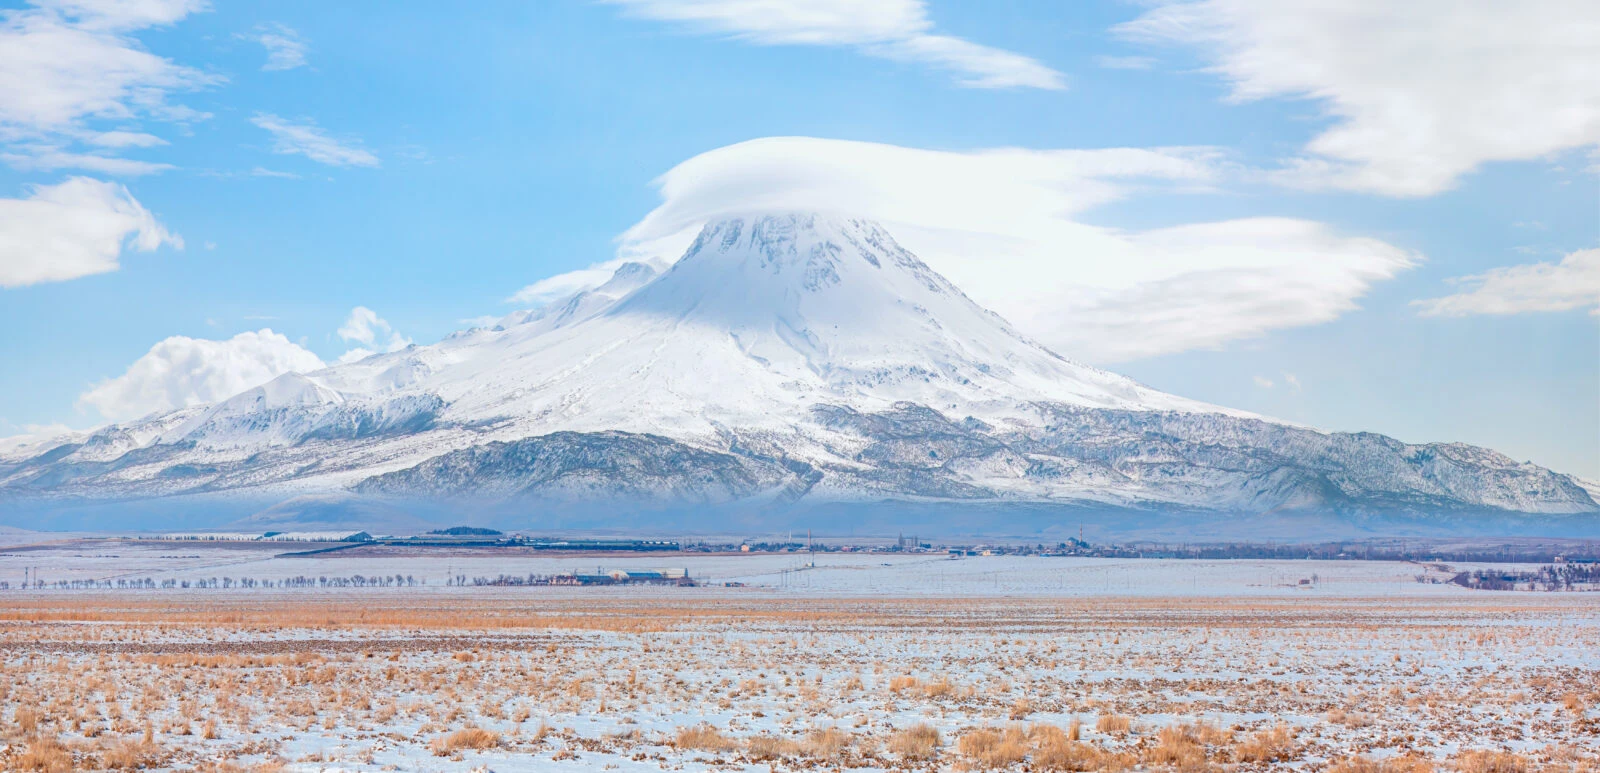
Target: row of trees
(146, 583)
(1557, 577)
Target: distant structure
(679, 577)
(271, 536)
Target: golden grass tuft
(828, 744)
(993, 749)
(130, 754)
(765, 748)
(1021, 709)
(1274, 744)
(1401, 764)
(1055, 749)
(475, 738)
(1113, 724)
(704, 738)
(918, 742)
(1179, 748)
(45, 753)
(27, 720)
(1489, 761)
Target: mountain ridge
(786, 358)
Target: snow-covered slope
(784, 358)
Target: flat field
(867, 662)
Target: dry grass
(765, 748)
(1179, 748)
(1113, 724)
(27, 720)
(918, 742)
(993, 749)
(828, 744)
(233, 692)
(1271, 745)
(1021, 709)
(130, 754)
(45, 753)
(1488, 761)
(475, 738)
(1574, 703)
(1401, 764)
(1055, 749)
(703, 738)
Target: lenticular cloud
(1007, 226)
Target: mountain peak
(785, 355)
(815, 243)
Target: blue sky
(426, 164)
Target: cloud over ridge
(1003, 225)
(181, 371)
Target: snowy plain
(843, 574)
(1151, 664)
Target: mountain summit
(786, 362)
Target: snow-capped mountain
(785, 360)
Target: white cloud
(1125, 62)
(182, 371)
(36, 438)
(1420, 93)
(124, 139)
(1574, 283)
(51, 159)
(365, 327)
(307, 139)
(1002, 225)
(562, 285)
(355, 355)
(124, 15)
(1263, 382)
(63, 64)
(1292, 381)
(889, 29)
(265, 172)
(286, 50)
(74, 228)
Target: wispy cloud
(1573, 283)
(67, 67)
(51, 159)
(1419, 93)
(1125, 62)
(307, 139)
(125, 139)
(888, 29)
(286, 49)
(265, 172)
